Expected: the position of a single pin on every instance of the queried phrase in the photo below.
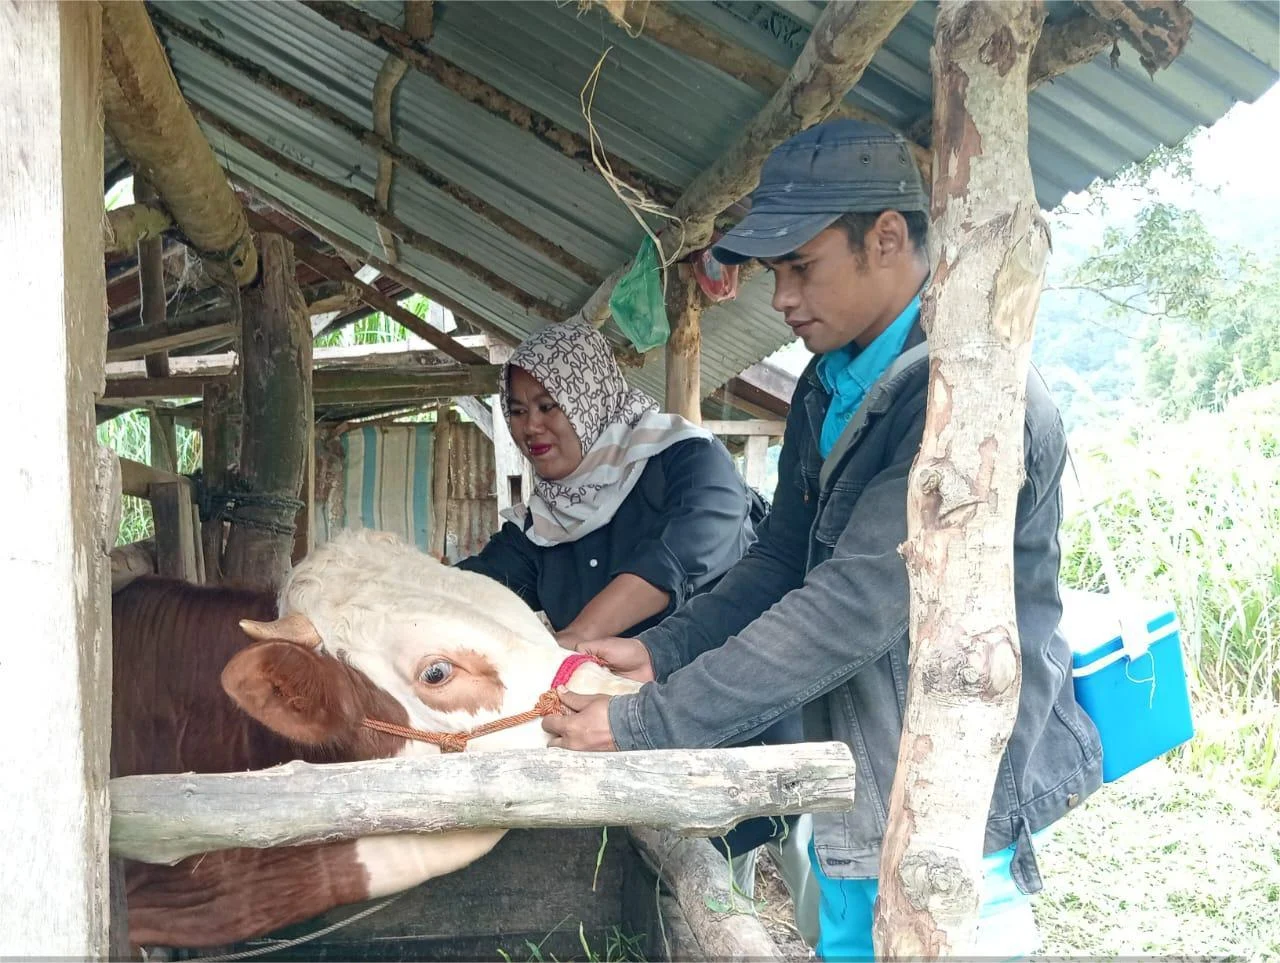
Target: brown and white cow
(366, 626)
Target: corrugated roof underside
(658, 110)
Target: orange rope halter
(548, 704)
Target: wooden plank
(136, 478)
(175, 535)
(55, 710)
(704, 792)
(131, 560)
(756, 461)
(151, 282)
(746, 429)
(276, 402)
(135, 342)
(164, 441)
(328, 384)
(513, 475)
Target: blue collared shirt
(849, 372)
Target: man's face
(831, 294)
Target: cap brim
(761, 235)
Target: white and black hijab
(619, 427)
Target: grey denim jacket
(815, 615)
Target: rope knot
(548, 704)
(454, 741)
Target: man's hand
(625, 657)
(583, 726)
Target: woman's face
(541, 429)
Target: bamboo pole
(148, 116)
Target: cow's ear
(292, 690)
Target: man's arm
(772, 566)
(850, 610)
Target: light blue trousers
(1006, 928)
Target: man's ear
(305, 697)
(889, 236)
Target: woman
(633, 511)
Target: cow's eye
(436, 673)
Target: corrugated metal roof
(667, 114)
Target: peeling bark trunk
(989, 248)
(684, 347)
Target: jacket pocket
(834, 512)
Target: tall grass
(1191, 511)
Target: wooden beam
(760, 428)
(668, 25)
(990, 247)
(841, 45)
(335, 270)
(327, 384)
(148, 116)
(471, 88)
(124, 227)
(441, 439)
(136, 478)
(724, 924)
(684, 346)
(368, 207)
(164, 818)
(755, 466)
(275, 398)
(55, 711)
(379, 139)
(210, 324)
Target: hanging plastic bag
(637, 304)
(719, 282)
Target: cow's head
(367, 617)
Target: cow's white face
(454, 649)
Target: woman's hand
(625, 657)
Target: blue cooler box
(1126, 664)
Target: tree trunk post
(684, 347)
(220, 426)
(277, 409)
(989, 247)
(55, 683)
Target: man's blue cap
(811, 179)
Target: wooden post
(164, 436)
(151, 284)
(175, 536)
(277, 410)
(55, 683)
(684, 347)
(512, 472)
(756, 460)
(989, 248)
(439, 541)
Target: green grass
(1191, 511)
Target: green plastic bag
(636, 303)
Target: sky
(1234, 163)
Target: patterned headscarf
(619, 427)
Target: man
(815, 614)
